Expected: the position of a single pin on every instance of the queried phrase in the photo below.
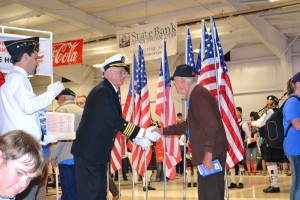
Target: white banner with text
(151, 38)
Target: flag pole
(202, 39)
(164, 99)
(185, 108)
(184, 150)
(132, 115)
(213, 32)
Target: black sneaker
(195, 185)
(240, 186)
(272, 190)
(265, 190)
(149, 188)
(189, 185)
(232, 185)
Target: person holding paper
(19, 105)
(101, 120)
(61, 151)
(205, 131)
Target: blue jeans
(68, 182)
(295, 168)
(160, 172)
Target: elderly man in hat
(60, 151)
(19, 105)
(101, 120)
(206, 136)
(269, 155)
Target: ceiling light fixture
(97, 65)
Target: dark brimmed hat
(296, 78)
(183, 70)
(272, 98)
(66, 91)
(15, 47)
(115, 61)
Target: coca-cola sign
(67, 53)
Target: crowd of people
(83, 162)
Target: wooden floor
(174, 190)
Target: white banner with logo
(45, 67)
(150, 36)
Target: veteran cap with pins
(115, 61)
(66, 91)
(15, 47)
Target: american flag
(216, 80)
(165, 109)
(189, 55)
(142, 114)
(129, 103)
(118, 151)
(204, 38)
(2, 80)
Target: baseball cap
(183, 70)
(66, 91)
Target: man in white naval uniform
(19, 105)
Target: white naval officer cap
(115, 61)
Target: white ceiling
(239, 22)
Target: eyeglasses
(121, 73)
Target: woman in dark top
(251, 149)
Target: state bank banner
(67, 53)
(45, 67)
(151, 38)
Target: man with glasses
(100, 122)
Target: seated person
(21, 160)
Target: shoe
(125, 179)
(264, 190)
(272, 189)
(195, 185)
(189, 185)
(157, 180)
(232, 185)
(149, 188)
(115, 197)
(289, 174)
(240, 186)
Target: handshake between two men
(145, 137)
